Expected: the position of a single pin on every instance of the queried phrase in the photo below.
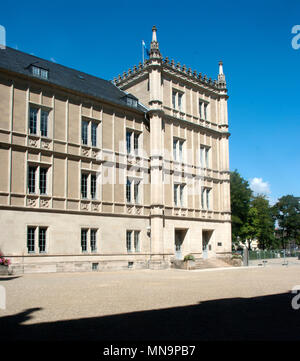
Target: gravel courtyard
(228, 304)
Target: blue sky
(253, 39)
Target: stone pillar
(155, 113)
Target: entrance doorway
(206, 245)
(179, 238)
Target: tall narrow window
(33, 120)
(43, 180)
(31, 179)
(180, 149)
(44, 123)
(94, 134)
(128, 191)
(136, 241)
(180, 101)
(136, 191)
(84, 181)
(205, 111)
(93, 240)
(204, 156)
(136, 143)
(128, 241)
(30, 239)
(84, 240)
(200, 110)
(207, 198)
(128, 142)
(174, 99)
(181, 195)
(93, 186)
(175, 194)
(202, 197)
(175, 149)
(42, 240)
(84, 132)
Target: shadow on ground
(261, 318)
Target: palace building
(97, 174)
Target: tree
(240, 194)
(265, 222)
(287, 213)
(249, 230)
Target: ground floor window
(39, 235)
(133, 241)
(89, 240)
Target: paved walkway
(246, 303)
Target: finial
(221, 76)
(221, 67)
(154, 33)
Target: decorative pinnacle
(221, 67)
(154, 33)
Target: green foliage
(189, 257)
(264, 222)
(240, 194)
(287, 212)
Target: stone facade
(145, 186)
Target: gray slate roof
(20, 62)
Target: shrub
(189, 257)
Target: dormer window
(39, 72)
(132, 102)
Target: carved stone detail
(44, 203)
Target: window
(88, 186)
(30, 239)
(132, 142)
(178, 145)
(40, 72)
(44, 123)
(204, 156)
(128, 191)
(128, 141)
(205, 198)
(31, 179)
(179, 101)
(94, 134)
(133, 191)
(177, 98)
(93, 240)
(89, 132)
(84, 132)
(131, 101)
(93, 186)
(42, 240)
(43, 180)
(205, 111)
(136, 191)
(33, 120)
(136, 241)
(128, 241)
(84, 240)
(203, 107)
(136, 142)
(84, 182)
(179, 200)
(42, 116)
(200, 109)
(133, 241)
(41, 232)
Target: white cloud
(259, 186)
